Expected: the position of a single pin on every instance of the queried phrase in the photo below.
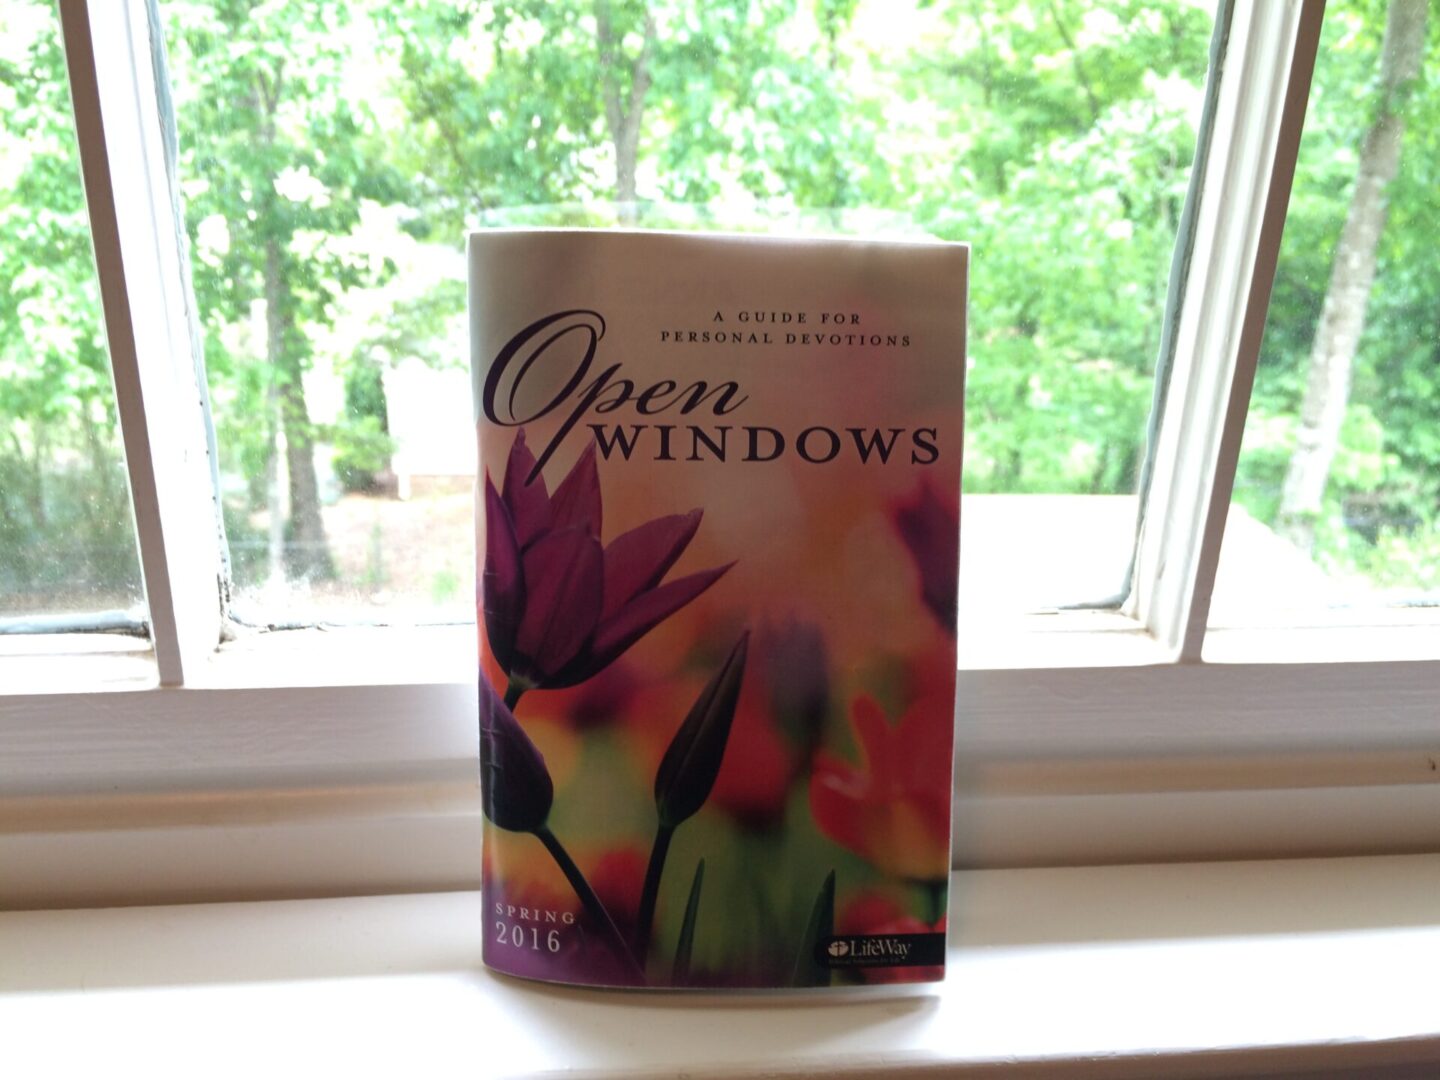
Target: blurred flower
(778, 724)
(559, 608)
(894, 810)
(754, 781)
(794, 673)
(876, 913)
(618, 876)
(513, 877)
(929, 524)
(515, 786)
(692, 762)
(929, 671)
(598, 702)
(867, 909)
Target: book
(718, 548)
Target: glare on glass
(333, 157)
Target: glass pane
(335, 155)
(1337, 499)
(67, 532)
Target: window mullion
(1244, 193)
(139, 257)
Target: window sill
(1300, 967)
(1056, 766)
(75, 664)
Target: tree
(278, 158)
(1342, 319)
(1067, 125)
(625, 80)
(1069, 128)
(497, 114)
(66, 528)
(1057, 135)
(523, 102)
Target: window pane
(334, 157)
(67, 533)
(1337, 499)
(329, 327)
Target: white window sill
(1305, 967)
(229, 791)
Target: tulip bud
(515, 785)
(688, 770)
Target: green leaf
(680, 976)
(808, 970)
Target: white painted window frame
(140, 256)
(310, 763)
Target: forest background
(332, 157)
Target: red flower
(759, 767)
(894, 810)
(618, 877)
(777, 726)
(864, 911)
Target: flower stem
(646, 916)
(512, 694)
(593, 907)
(934, 900)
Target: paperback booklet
(718, 533)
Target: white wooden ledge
(1306, 967)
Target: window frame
(303, 762)
(127, 164)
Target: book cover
(718, 546)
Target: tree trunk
(1342, 317)
(309, 548)
(274, 500)
(309, 555)
(624, 110)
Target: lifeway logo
(881, 950)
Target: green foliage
(444, 586)
(362, 442)
(362, 449)
(1382, 511)
(66, 531)
(279, 157)
(1404, 559)
(808, 970)
(680, 971)
(1069, 129)
(332, 156)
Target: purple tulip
(559, 607)
(515, 785)
(930, 527)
